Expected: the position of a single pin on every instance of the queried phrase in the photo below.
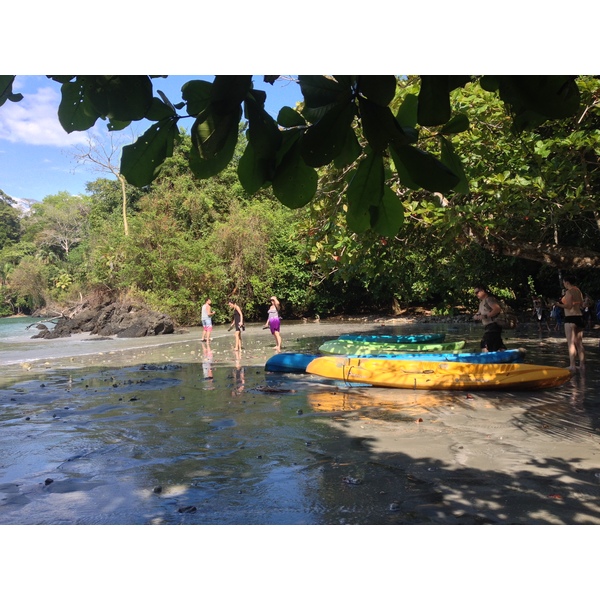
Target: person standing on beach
(207, 313)
(489, 309)
(572, 302)
(540, 312)
(238, 323)
(273, 322)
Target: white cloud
(34, 121)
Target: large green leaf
(424, 169)
(6, 92)
(456, 124)
(119, 97)
(253, 171)
(295, 183)
(379, 125)
(379, 89)
(263, 133)
(407, 113)
(434, 97)
(141, 161)
(402, 171)
(324, 140)
(114, 125)
(319, 90)
(350, 151)
(75, 111)
(205, 165)
(364, 190)
(212, 131)
(453, 162)
(159, 110)
(288, 117)
(228, 92)
(434, 101)
(387, 217)
(534, 99)
(196, 94)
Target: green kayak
(357, 347)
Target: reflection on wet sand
(239, 379)
(567, 415)
(409, 402)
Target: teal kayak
(356, 347)
(516, 355)
(417, 338)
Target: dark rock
(108, 319)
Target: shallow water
(207, 439)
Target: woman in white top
(273, 322)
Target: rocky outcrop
(108, 319)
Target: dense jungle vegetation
(516, 205)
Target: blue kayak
(288, 362)
(417, 338)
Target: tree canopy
(288, 153)
(372, 189)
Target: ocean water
(15, 329)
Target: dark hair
(569, 277)
(481, 287)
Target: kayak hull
(429, 375)
(290, 362)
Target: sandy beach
(134, 432)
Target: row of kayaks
(426, 362)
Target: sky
(37, 157)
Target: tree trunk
(554, 255)
(124, 197)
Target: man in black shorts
(489, 309)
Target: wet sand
(362, 455)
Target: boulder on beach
(120, 319)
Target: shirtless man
(488, 310)
(571, 302)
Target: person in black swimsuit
(574, 325)
(238, 323)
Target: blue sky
(37, 155)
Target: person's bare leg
(570, 334)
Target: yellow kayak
(424, 375)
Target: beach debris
(351, 480)
(187, 509)
(157, 489)
(394, 506)
(48, 481)
(299, 412)
(265, 389)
